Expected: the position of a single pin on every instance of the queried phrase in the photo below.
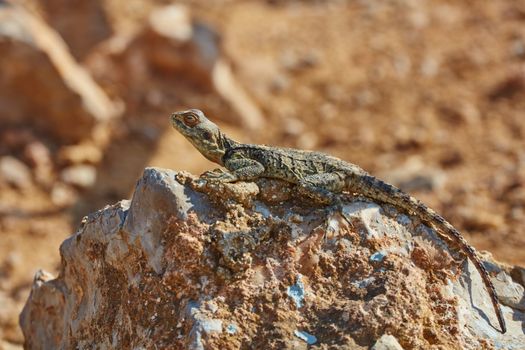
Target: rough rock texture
(193, 265)
(41, 82)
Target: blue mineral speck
(307, 337)
(377, 256)
(297, 292)
(231, 328)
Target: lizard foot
(220, 175)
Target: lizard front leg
(239, 169)
(210, 174)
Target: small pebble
(79, 175)
(63, 195)
(15, 172)
(82, 153)
(39, 156)
(387, 342)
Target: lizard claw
(212, 173)
(339, 204)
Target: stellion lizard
(317, 175)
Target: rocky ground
(425, 94)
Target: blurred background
(428, 95)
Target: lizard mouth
(176, 121)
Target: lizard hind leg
(322, 188)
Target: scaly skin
(317, 175)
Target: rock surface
(176, 47)
(387, 342)
(14, 172)
(42, 84)
(83, 24)
(193, 265)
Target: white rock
(79, 175)
(15, 172)
(387, 342)
(46, 87)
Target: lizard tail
(376, 189)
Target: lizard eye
(191, 120)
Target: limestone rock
(387, 342)
(187, 265)
(9, 331)
(15, 172)
(39, 156)
(82, 175)
(82, 23)
(42, 84)
(176, 45)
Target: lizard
(317, 175)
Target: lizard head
(201, 132)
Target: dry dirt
(428, 95)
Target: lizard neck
(222, 145)
(227, 143)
